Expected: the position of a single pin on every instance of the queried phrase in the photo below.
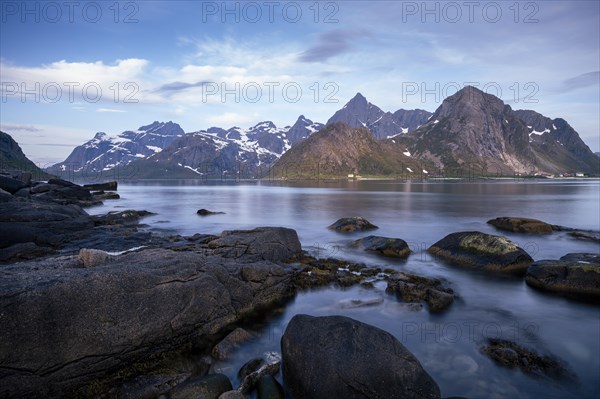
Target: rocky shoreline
(90, 304)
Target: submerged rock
(206, 212)
(512, 355)
(575, 274)
(338, 357)
(392, 247)
(348, 225)
(487, 252)
(521, 225)
(412, 288)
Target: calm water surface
(421, 213)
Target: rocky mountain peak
(470, 101)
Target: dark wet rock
(108, 186)
(62, 183)
(23, 193)
(586, 235)
(25, 177)
(44, 188)
(348, 225)
(268, 388)
(103, 195)
(250, 367)
(411, 288)
(393, 247)
(66, 195)
(128, 217)
(315, 272)
(512, 355)
(338, 357)
(575, 274)
(521, 225)
(11, 185)
(210, 386)
(206, 212)
(271, 367)
(263, 243)
(43, 224)
(230, 343)
(83, 323)
(478, 250)
(5, 196)
(24, 251)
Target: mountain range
(471, 133)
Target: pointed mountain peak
(358, 99)
(100, 136)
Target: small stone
(92, 257)
(348, 225)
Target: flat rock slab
(349, 225)
(391, 247)
(521, 225)
(482, 251)
(82, 323)
(575, 274)
(339, 357)
(263, 243)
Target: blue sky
(112, 66)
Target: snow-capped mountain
(216, 152)
(358, 112)
(170, 152)
(105, 152)
(555, 142)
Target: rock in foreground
(392, 247)
(521, 225)
(349, 225)
(487, 252)
(576, 274)
(64, 325)
(338, 357)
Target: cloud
(179, 86)
(583, 80)
(21, 128)
(332, 43)
(73, 81)
(109, 110)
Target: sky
(69, 69)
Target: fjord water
(421, 213)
